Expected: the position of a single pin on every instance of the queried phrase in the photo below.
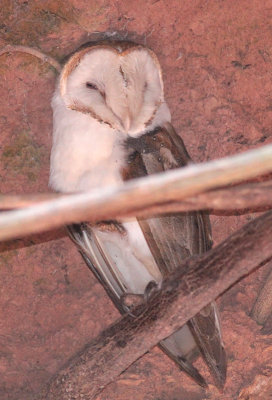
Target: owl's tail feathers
(205, 327)
(202, 334)
(188, 368)
(182, 348)
(184, 363)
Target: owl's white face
(105, 93)
(122, 88)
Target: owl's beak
(126, 122)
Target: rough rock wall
(216, 57)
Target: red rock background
(216, 56)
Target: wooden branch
(34, 52)
(9, 201)
(158, 189)
(184, 293)
(242, 198)
(250, 196)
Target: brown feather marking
(121, 48)
(111, 226)
(87, 110)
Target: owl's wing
(180, 346)
(96, 259)
(121, 268)
(173, 238)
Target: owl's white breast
(85, 153)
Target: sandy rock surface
(216, 58)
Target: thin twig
(184, 293)
(158, 189)
(34, 52)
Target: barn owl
(110, 124)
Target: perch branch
(250, 196)
(34, 52)
(9, 202)
(184, 293)
(170, 186)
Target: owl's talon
(151, 288)
(130, 301)
(128, 312)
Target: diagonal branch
(184, 293)
(135, 195)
